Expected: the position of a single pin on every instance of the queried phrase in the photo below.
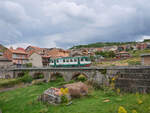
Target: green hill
(102, 44)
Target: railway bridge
(129, 78)
(67, 73)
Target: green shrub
(26, 78)
(28, 64)
(64, 99)
(109, 92)
(134, 63)
(81, 78)
(10, 83)
(41, 76)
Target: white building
(36, 60)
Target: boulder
(77, 89)
(53, 96)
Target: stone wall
(131, 79)
(5, 73)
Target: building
(5, 62)
(141, 46)
(57, 53)
(36, 60)
(18, 56)
(123, 54)
(46, 60)
(145, 59)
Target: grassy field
(24, 100)
(126, 62)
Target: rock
(77, 89)
(52, 96)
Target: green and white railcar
(71, 62)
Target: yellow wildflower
(122, 110)
(66, 91)
(134, 111)
(113, 79)
(118, 91)
(140, 101)
(112, 85)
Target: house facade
(5, 62)
(145, 59)
(18, 56)
(36, 60)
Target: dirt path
(15, 87)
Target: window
(86, 59)
(64, 60)
(67, 60)
(75, 60)
(52, 61)
(71, 60)
(81, 59)
(57, 61)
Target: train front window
(86, 59)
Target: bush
(81, 78)
(28, 64)
(134, 63)
(38, 76)
(26, 78)
(64, 99)
(10, 83)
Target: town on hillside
(110, 54)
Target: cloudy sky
(64, 23)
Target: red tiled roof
(123, 52)
(37, 48)
(18, 51)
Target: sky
(65, 23)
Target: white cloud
(16, 45)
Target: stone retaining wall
(131, 79)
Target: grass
(126, 62)
(7, 83)
(24, 100)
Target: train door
(79, 62)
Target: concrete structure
(36, 60)
(145, 59)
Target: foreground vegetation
(24, 100)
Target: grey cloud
(49, 23)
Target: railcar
(71, 62)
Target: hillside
(102, 44)
(2, 48)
